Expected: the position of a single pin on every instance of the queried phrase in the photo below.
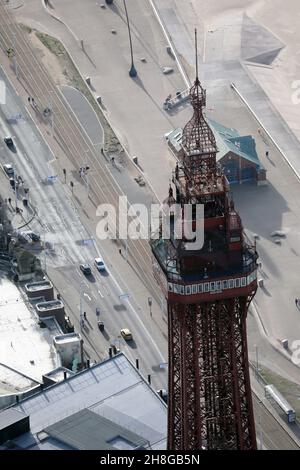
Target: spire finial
(196, 51)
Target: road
(69, 133)
(269, 434)
(69, 243)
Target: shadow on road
(157, 369)
(105, 334)
(119, 307)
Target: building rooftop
(13, 381)
(227, 139)
(24, 345)
(57, 375)
(49, 305)
(38, 285)
(87, 430)
(67, 338)
(114, 390)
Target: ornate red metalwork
(208, 294)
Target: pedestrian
(113, 160)
(120, 251)
(9, 200)
(297, 303)
(29, 99)
(84, 315)
(267, 153)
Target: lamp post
(132, 71)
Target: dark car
(34, 236)
(101, 325)
(12, 183)
(86, 269)
(9, 142)
(163, 394)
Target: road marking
(87, 295)
(141, 322)
(100, 293)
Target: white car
(99, 263)
(8, 169)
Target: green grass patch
(51, 43)
(26, 28)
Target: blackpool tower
(208, 292)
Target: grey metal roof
(113, 389)
(87, 430)
(10, 416)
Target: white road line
(100, 293)
(87, 295)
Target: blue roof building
(237, 154)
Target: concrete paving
(134, 106)
(85, 113)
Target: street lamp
(132, 71)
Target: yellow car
(126, 334)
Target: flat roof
(113, 389)
(39, 285)
(10, 416)
(87, 430)
(58, 374)
(24, 346)
(67, 338)
(13, 381)
(49, 305)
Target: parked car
(23, 237)
(86, 269)
(126, 334)
(99, 263)
(8, 170)
(101, 325)
(163, 394)
(9, 142)
(12, 183)
(32, 235)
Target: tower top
(198, 138)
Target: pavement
(143, 97)
(86, 115)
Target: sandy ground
(50, 61)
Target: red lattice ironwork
(208, 292)
(210, 405)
